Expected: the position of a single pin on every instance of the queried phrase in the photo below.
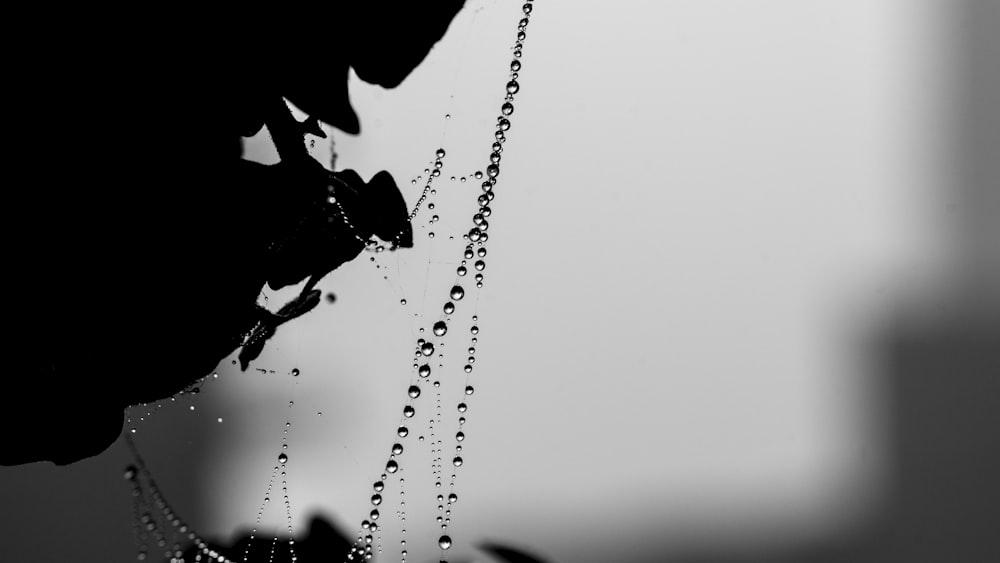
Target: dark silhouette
(137, 238)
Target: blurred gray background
(741, 302)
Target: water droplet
(449, 308)
(374, 515)
(402, 431)
(492, 171)
(130, 472)
(515, 66)
(474, 329)
(469, 390)
(513, 87)
(409, 411)
(413, 391)
(503, 124)
(447, 116)
(462, 407)
(295, 372)
(282, 458)
(378, 486)
(391, 466)
(402, 301)
(495, 157)
(460, 436)
(468, 368)
(440, 328)
(440, 153)
(219, 420)
(521, 35)
(452, 498)
(376, 499)
(457, 293)
(444, 542)
(427, 348)
(424, 370)
(478, 175)
(457, 461)
(507, 108)
(461, 270)
(397, 449)
(480, 265)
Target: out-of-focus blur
(742, 302)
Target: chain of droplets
(192, 390)
(282, 467)
(476, 236)
(150, 520)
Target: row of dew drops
(157, 525)
(368, 541)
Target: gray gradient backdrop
(728, 238)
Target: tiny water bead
(440, 328)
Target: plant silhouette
(138, 238)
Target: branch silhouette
(137, 238)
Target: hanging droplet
(444, 542)
(507, 108)
(424, 370)
(413, 391)
(457, 293)
(282, 458)
(440, 328)
(513, 87)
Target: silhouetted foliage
(137, 238)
